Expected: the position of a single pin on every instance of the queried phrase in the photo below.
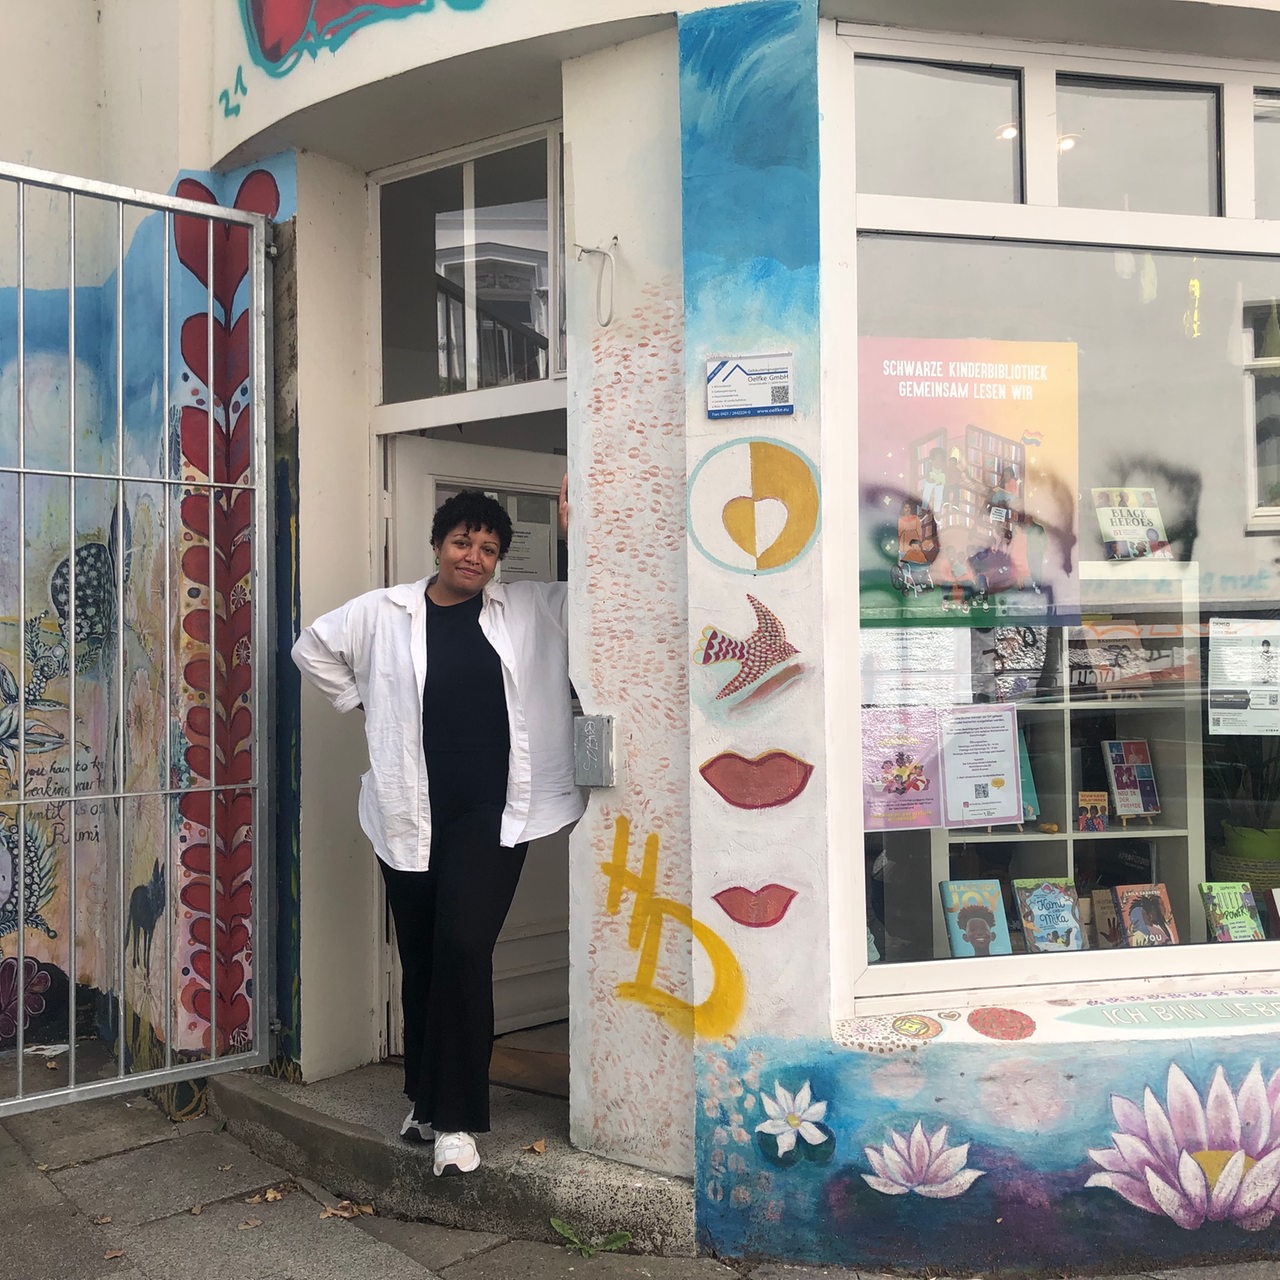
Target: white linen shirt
(373, 651)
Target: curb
(514, 1193)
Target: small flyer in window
(1131, 524)
(980, 773)
(916, 666)
(900, 783)
(1244, 676)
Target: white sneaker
(416, 1130)
(456, 1153)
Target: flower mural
(20, 1000)
(792, 1117)
(1194, 1160)
(25, 894)
(920, 1164)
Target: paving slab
(432, 1246)
(167, 1177)
(45, 1235)
(79, 1131)
(530, 1260)
(292, 1242)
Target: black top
(464, 704)
(464, 709)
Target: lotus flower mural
(793, 1116)
(923, 1165)
(1194, 1160)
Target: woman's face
(468, 559)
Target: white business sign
(750, 386)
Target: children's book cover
(1131, 525)
(1092, 811)
(1030, 801)
(1050, 915)
(1144, 915)
(1106, 930)
(976, 922)
(1133, 781)
(1231, 911)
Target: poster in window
(968, 460)
(901, 788)
(981, 777)
(1244, 676)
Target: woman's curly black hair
(475, 510)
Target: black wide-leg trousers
(447, 922)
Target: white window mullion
(471, 315)
(1040, 133)
(1238, 187)
(920, 215)
(555, 257)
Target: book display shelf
(1143, 690)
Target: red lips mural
(755, 908)
(768, 780)
(281, 31)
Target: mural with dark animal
(146, 904)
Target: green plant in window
(1244, 776)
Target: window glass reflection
(932, 130)
(1266, 153)
(466, 276)
(1054, 453)
(1137, 145)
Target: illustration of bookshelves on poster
(1130, 676)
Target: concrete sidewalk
(111, 1188)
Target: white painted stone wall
(632, 1084)
(111, 91)
(342, 1003)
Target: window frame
(858, 987)
(549, 393)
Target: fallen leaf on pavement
(249, 1223)
(256, 1198)
(223, 1168)
(538, 1148)
(44, 1168)
(114, 1253)
(197, 1209)
(273, 1194)
(101, 1220)
(50, 1065)
(345, 1209)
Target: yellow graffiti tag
(716, 1015)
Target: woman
(465, 688)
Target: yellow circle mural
(754, 505)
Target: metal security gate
(134, 638)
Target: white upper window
(470, 293)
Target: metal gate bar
(120, 798)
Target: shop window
(1067, 636)
(1266, 164)
(927, 129)
(1140, 145)
(467, 276)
